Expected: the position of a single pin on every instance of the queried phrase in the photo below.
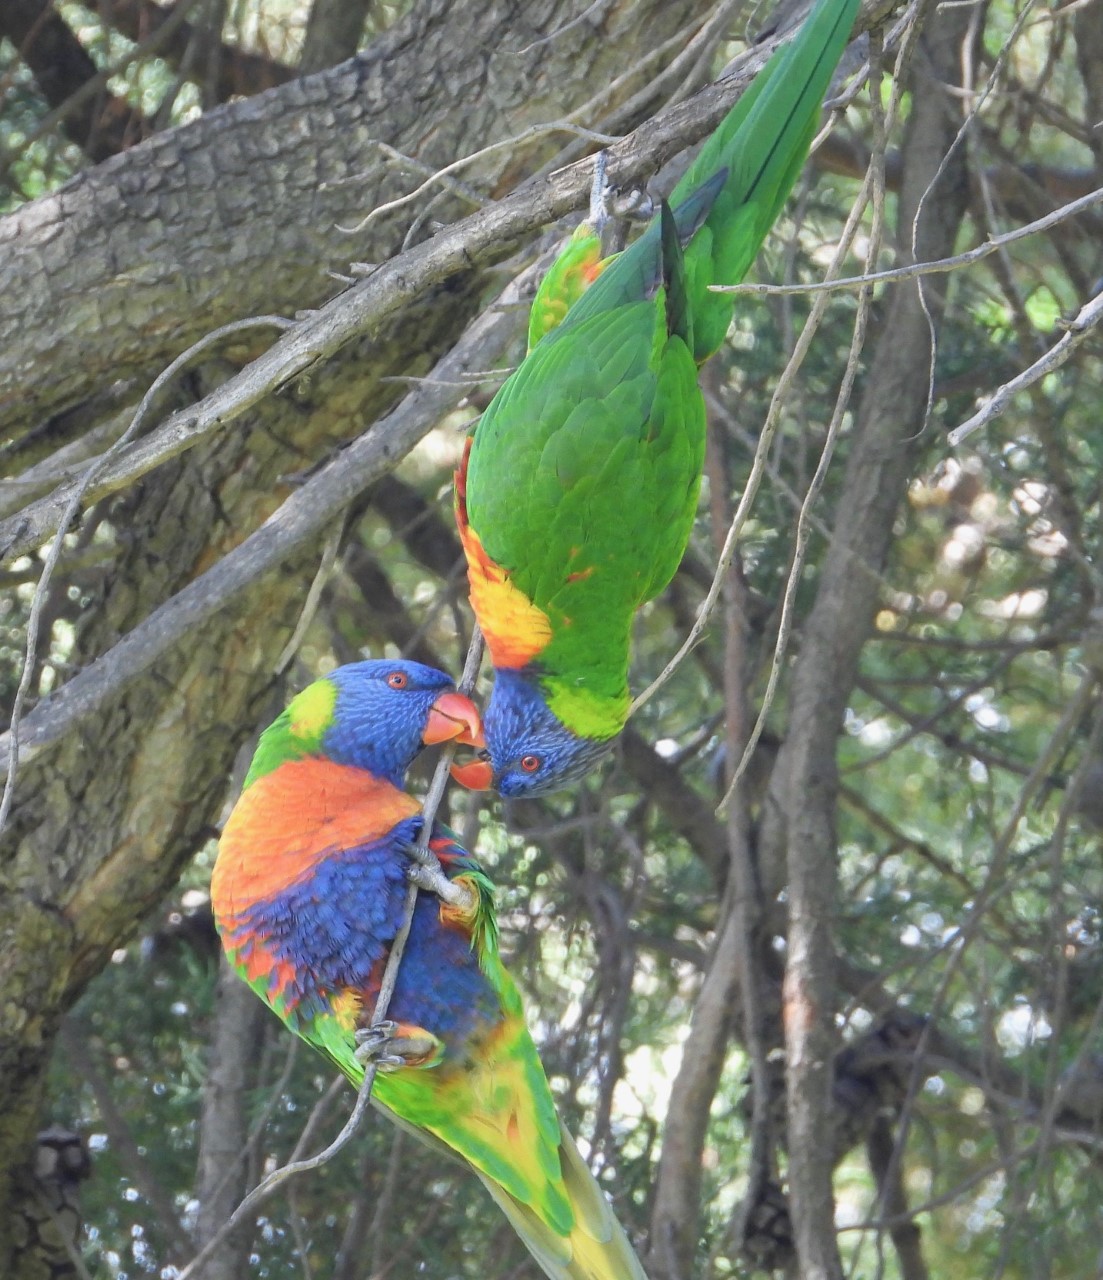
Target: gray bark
(239, 212)
(221, 1176)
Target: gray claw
(371, 1042)
(599, 193)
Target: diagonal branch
(307, 511)
(1076, 330)
(478, 240)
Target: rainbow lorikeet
(308, 894)
(577, 492)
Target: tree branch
(240, 73)
(308, 510)
(477, 240)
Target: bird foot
(374, 1043)
(425, 871)
(433, 880)
(637, 205)
(391, 1045)
(609, 210)
(600, 194)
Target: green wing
(584, 472)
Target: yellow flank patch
(516, 630)
(345, 1007)
(312, 709)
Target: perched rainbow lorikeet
(578, 490)
(308, 894)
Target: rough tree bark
(239, 212)
(111, 277)
(239, 1022)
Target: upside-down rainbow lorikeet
(577, 492)
(308, 894)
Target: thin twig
(279, 1176)
(79, 1056)
(594, 10)
(937, 266)
(536, 131)
(313, 596)
(71, 508)
(302, 516)
(874, 187)
(473, 242)
(1076, 331)
(758, 466)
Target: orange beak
(453, 717)
(476, 775)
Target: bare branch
(305, 513)
(481, 238)
(1076, 331)
(79, 489)
(994, 244)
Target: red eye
(398, 680)
(530, 763)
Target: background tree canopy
(855, 1014)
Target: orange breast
(292, 818)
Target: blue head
(529, 751)
(382, 712)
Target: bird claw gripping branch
(425, 871)
(373, 1044)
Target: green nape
(566, 280)
(298, 730)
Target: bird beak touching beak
(453, 718)
(476, 775)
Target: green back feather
(584, 472)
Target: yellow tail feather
(597, 1248)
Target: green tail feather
(764, 142)
(597, 1249)
(732, 194)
